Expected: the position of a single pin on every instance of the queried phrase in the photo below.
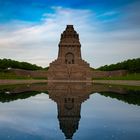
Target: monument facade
(69, 64)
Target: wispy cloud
(38, 42)
(109, 13)
(30, 42)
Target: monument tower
(69, 64)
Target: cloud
(131, 17)
(108, 13)
(38, 43)
(126, 17)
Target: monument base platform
(69, 72)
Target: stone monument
(69, 64)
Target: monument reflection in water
(69, 98)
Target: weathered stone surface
(30, 73)
(105, 74)
(69, 64)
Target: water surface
(79, 111)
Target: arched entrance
(69, 58)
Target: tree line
(132, 65)
(8, 63)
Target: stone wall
(104, 74)
(43, 73)
(30, 73)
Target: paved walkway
(12, 82)
(119, 82)
(116, 82)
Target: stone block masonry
(30, 73)
(69, 64)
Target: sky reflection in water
(40, 117)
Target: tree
(132, 65)
(8, 63)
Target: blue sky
(109, 29)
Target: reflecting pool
(77, 111)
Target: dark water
(78, 111)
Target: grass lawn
(130, 76)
